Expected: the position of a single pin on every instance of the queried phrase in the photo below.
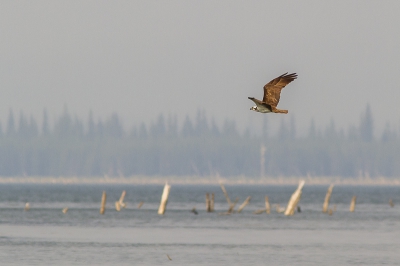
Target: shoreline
(195, 180)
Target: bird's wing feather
(257, 102)
(272, 90)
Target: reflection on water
(45, 236)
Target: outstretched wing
(272, 90)
(257, 102)
(260, 104)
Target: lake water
(45, 236)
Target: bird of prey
(272, 92)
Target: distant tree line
(72, 147)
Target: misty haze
(195, 147)
(127, 135)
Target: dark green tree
(172, 126)
(11, 131)
(283, 133)
(23, 127)
(353, 133)
(142, 131)
(33, 128)
(367, 125)
(187, 128)
(63, 126)
(388, 134)
(201, 124)
(330, 131)
(91, 133)
(158, 128)
(214, 128)
(113, 127)
(45, 124)
(229, 128)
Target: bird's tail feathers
(276, 110)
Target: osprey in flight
(272, 92)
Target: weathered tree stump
(103, 203)
(353, 203)
(294, 200)
(267, 206)
(208, 203)
(212, 203)
(241, 207)
(164, 199)
(327, 198)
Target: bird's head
(254, 108)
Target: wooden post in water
(120, 203)
(230, 210)
(225, 194)
(208, 203)
(121, 199)
(103, 202)
(241, 207)
(164, 199)
(267, 206)
(294, 199)
(212, 202)
(117, 206)
(327, 198)
(353, 203)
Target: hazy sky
(143, 58)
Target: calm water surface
(45, 236)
